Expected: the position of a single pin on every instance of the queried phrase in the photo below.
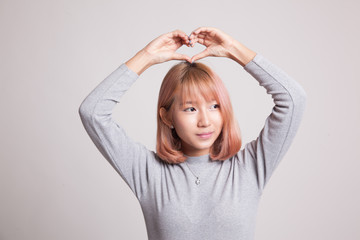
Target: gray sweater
(224, 205)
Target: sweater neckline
(203, 159)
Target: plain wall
(55, 184)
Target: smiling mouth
(205, 135)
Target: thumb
(198, 56)
(178, 56)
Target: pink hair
(190, 81)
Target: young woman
(198, 184)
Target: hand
(217, 43)
(164, 47)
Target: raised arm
(134, 163)
(262, 155)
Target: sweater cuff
(258, 57)
(128, 71)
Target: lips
(205, 135)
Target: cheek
(181, 122)
(219, 120)
(185, 123)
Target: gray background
(55, 184)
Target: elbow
(302, 95)
(81, 111)
(299, 95)
(301, 98)
(85, 110)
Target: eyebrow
(187, 102)
(191, 102)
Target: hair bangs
(197, 85)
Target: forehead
(196, 85)
(195, 95)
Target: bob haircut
(191, 80)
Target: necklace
(197, 181)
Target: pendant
(197, 181)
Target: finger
(203, 29)
(183, 42)
(180, 34)
(186, 42)
(177, 32)
(192, 36)
(192, 41)
(179, 42)
(201, 35)
(177, 39)
(198, 56)
(201, 41)
(197, 30)
(178, 56)
(198, 38)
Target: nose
(204, 120)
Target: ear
(164, 115)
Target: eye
(215, 106)
(190, 109)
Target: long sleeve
(134, 163)
(263, 154)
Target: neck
(198, 159)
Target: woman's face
(198, 124)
